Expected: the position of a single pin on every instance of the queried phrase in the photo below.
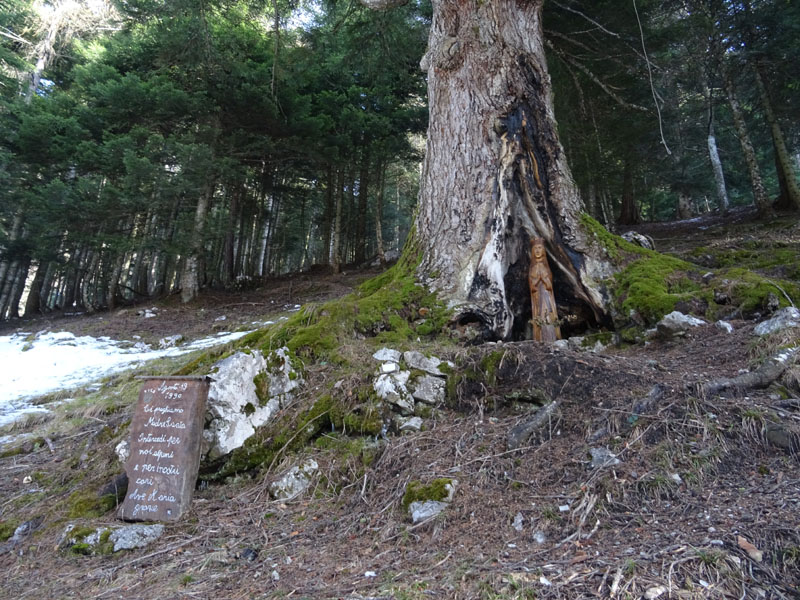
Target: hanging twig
(650, 74)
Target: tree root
(767, 373)
(520, 434)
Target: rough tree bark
(760, 198)
(495, 174)
(629, 212)
(789, 198)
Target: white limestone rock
(422, 511)
(783, 319)
(134, 536)
(126, 537)
(170, 341)
(392, 388)
(676, 323)
(724, 326)
(417, 360)
(294, 482)
(428, 389)
(412, 424)
(234, 410)
(387, 355)
(123, 451)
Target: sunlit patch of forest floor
(704, 503)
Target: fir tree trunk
(760, 197)
(379, 214)
(684, 208)
(789, 198)
(33, 303)
(495, 174)
(629, 212)
(360, 238)
(192, 267)
(337, 224)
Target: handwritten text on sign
(165, 448)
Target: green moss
(749, 291)
(489, 365)
(604, 337)
(386, 309)
(286, 435)
(416, 491)
(615, 247)
(652, 285)
(7, 529)
(87, 504)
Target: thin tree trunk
(328, 218)
(789, 198)
(360, 238)
(17, 288)
(14, 233)
(629, 211)
(337, 224)
(34, 302)
(190, 278)
(379, 214)
(684, 208)
(760, 197)
(716, 167)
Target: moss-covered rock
(440, 490)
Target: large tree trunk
(495, 174)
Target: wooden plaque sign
(165, 440)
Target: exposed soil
(700, 477)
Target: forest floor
(704, 503)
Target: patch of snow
(56, 361)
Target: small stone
(387, 354)
(518, 520)
(123, 451)
(412, 424)
(645, 241)
(676, 323)
(294, 482)
(249, 554)
(422, 511)
(654, 592)
(602, 457)
(170, 341)
(724, 326)
(561, 345)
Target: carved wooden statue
(543, 302)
